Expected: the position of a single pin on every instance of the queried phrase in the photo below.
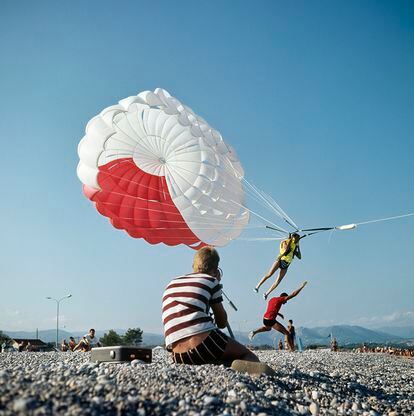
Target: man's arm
(220, 314)
(296, 292)
(281, 315)
(297, 252)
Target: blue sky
(316, 97)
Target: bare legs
(278, 280)
(261, 329)
(270, 273)
(236, 351)
(272, 270)
(279, 328)
(82, 345)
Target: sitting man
(88, 342)
(64, 346)
(272, 311)
(190, 332)
(72, 344)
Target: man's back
(185, 305)
(273, 307)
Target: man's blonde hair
(206, 260)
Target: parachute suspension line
(217, 222)
(280, 211)
(143, 186)
(386, 219)
(331, 236)
(234, 202)
(258, 216)
(269, 201)
(224, 222)
(185, 179)
(259, 197)
(258, 192)
(286, 217)
(252, 191)
(110, 174)
(260, 238)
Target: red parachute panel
(140, 204)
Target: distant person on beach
(288, 249)
(292, 332)
(334, 345)
(280, 345)
(72, 343)
(272, 312)
(88, 342)
(190, 332)
(64, 346)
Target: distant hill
(48, 335)
(400, 331)
(345, 334)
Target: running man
(289, 249)
(272, 311)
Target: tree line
(133, 336)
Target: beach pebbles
(309, 383)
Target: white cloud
(397, 318)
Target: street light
(57, 315)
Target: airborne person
(272, 312)
(289, 249)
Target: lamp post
(57, 315)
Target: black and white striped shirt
(185, 306)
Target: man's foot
(256, 290)
(252, 368)
(251, 335)
(265, 295)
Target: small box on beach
(119, 354)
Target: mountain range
(345, 334)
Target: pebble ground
(309, 383)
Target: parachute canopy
(160, 172)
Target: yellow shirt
(289, 256)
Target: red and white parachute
(158, 171)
